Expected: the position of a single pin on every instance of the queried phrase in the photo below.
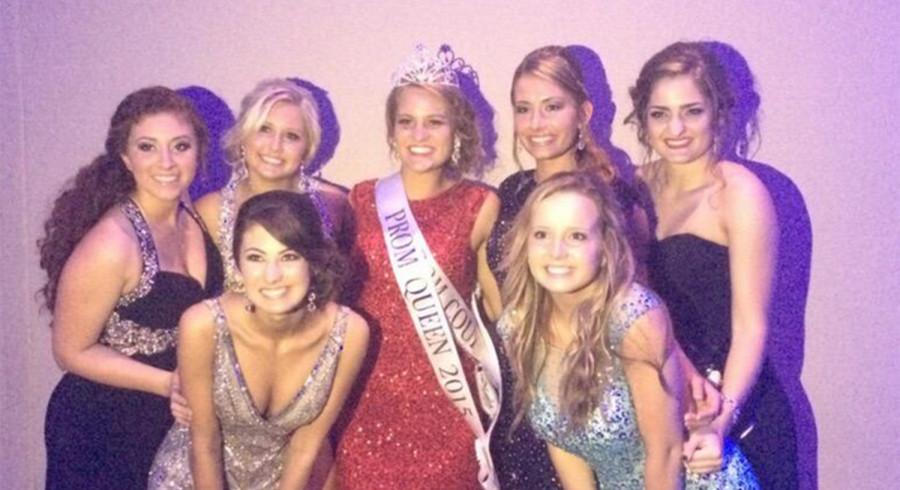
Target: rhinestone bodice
(610, 440)
(143, 321)
(253, 444)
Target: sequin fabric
(520, 457)
(228, 214)
(130, 338)
(610, 440)
(103, 437)
(124, 335)
(253, 446)
(148, 254)
(398, 429)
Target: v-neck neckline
(239, 372)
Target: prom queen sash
(442, 319)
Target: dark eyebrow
(683, 106)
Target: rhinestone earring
(311, 302)
(457, 150)
(581, 144)
(304, 184)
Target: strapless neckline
(691, 237)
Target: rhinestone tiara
(442, 68)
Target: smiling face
(564, 244)
(275, 151)
(679, 121)
(547, 118)
(422, 130)
(161, 153)
(276, 278)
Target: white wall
(827, 73)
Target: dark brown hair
(293, 219)
(106, 181)
(696, 60)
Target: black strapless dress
(102, 437)
(692, 276)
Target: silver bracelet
(735, 408)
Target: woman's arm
(104, 265)
(752, 248)
(306, 442)
(196, 359)
(655, 381)
(574, 473)
(481, 232)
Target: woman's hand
(702, 452)
(178, 403)
(706, 403)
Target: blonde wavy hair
(255, 107)
(584, 374)
(472, 160)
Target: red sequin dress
(398, 429)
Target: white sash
(440, 314)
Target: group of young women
(584, 376)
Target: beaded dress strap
(313, 189)
(149, 258)
(218, 315)
(634, 305)
(227, 215)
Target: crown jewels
(442, 68)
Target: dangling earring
(581, 144)
(311, 302)
(303, 184)
(241, 169)
(455, 156)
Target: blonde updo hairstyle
(255, 107)
(472, 159)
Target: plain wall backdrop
(827, 72)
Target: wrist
(728, 416)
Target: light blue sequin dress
(610, 441)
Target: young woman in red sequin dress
(401, 430)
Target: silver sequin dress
(610, 441)
(253, 445)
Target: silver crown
(442, 68)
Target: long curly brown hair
(106, 181)
(556, 64)
(529, 305)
